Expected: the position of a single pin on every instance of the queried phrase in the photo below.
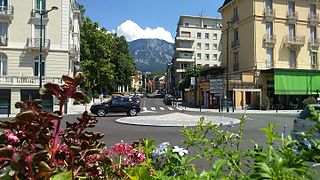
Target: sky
(137, 19)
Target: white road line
(170, 108)
(161, 108)
(144, 108)
(153, 108)
(179, 108)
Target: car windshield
(306, 112)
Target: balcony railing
(294, 41)
(6, 10)
(74, 50)
(235, 19)
(314, 66)
(269, 63)
(34, 43)
(185, 37)
(35, 15)
(313, 19)
(269, 14)
(235, 44)
(269, 40)
(292, 17)
(76, 7)
(314, 44)
(27, 80)
(3, 41)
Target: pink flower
(122, 148)
(11, 136)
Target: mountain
(151, 55)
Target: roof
(225, 3)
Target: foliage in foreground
(33, 146)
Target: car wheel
(101, 112)
(133, 112)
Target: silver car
(301, 126)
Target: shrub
(309, 100)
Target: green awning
(296, 82)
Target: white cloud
(133, 31)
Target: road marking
(144, 108)
(161, 108)
(170, 108)
(153, 108)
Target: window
(314, 59)
(269, 57)
(207, 56)
(215, 56)
(3, 5)
(36, 68)
(206, 35)
(3, 33)
(3, 64)
(199, 35)
(313, 10)
(215, 36)
(186, 24)
(198, 45)
(292, 58)
(215, 46)
(236, 61)
(269, 28)
(313, 34)
(40, 4)
(205, 26)
(291, 8)
(206, 46)
(268, 5)
(37, 37)
(199, 56)
(235, 17)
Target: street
(115, 132)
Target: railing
(269, 63)
(235, 43)
(270, 38)
(314, 66)
(294, 40)
(268, 12)
(35, 14)
(6, 10)
(35, 43)
(74, 49)
(76, 7)
(235, 19)
(27, 80)
(3, 41)
(313, 19)
(292, 16)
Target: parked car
(117, 104)
(168, 99)
(301, 125)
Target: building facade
(197, 42)
(20, 39)
(271, 49)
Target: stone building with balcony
(278, 56)
(20, 26)
(197, 42)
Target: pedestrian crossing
(167, 108)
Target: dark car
(117, 104)
(168, 99)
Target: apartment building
(271, 48)
(20, 39)
(197, 42)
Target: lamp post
(42, 13)
(227, 93)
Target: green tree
(192, 71)
(97, 49)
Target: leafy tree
(96, 54)
(192, 71)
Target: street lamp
(42, 13)
(228, 26)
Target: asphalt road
(115, 132)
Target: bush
(309, 100)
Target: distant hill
(151, 55)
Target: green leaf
(63, 176)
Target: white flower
(181, 151)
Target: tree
(192, 71)
(96, 53)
